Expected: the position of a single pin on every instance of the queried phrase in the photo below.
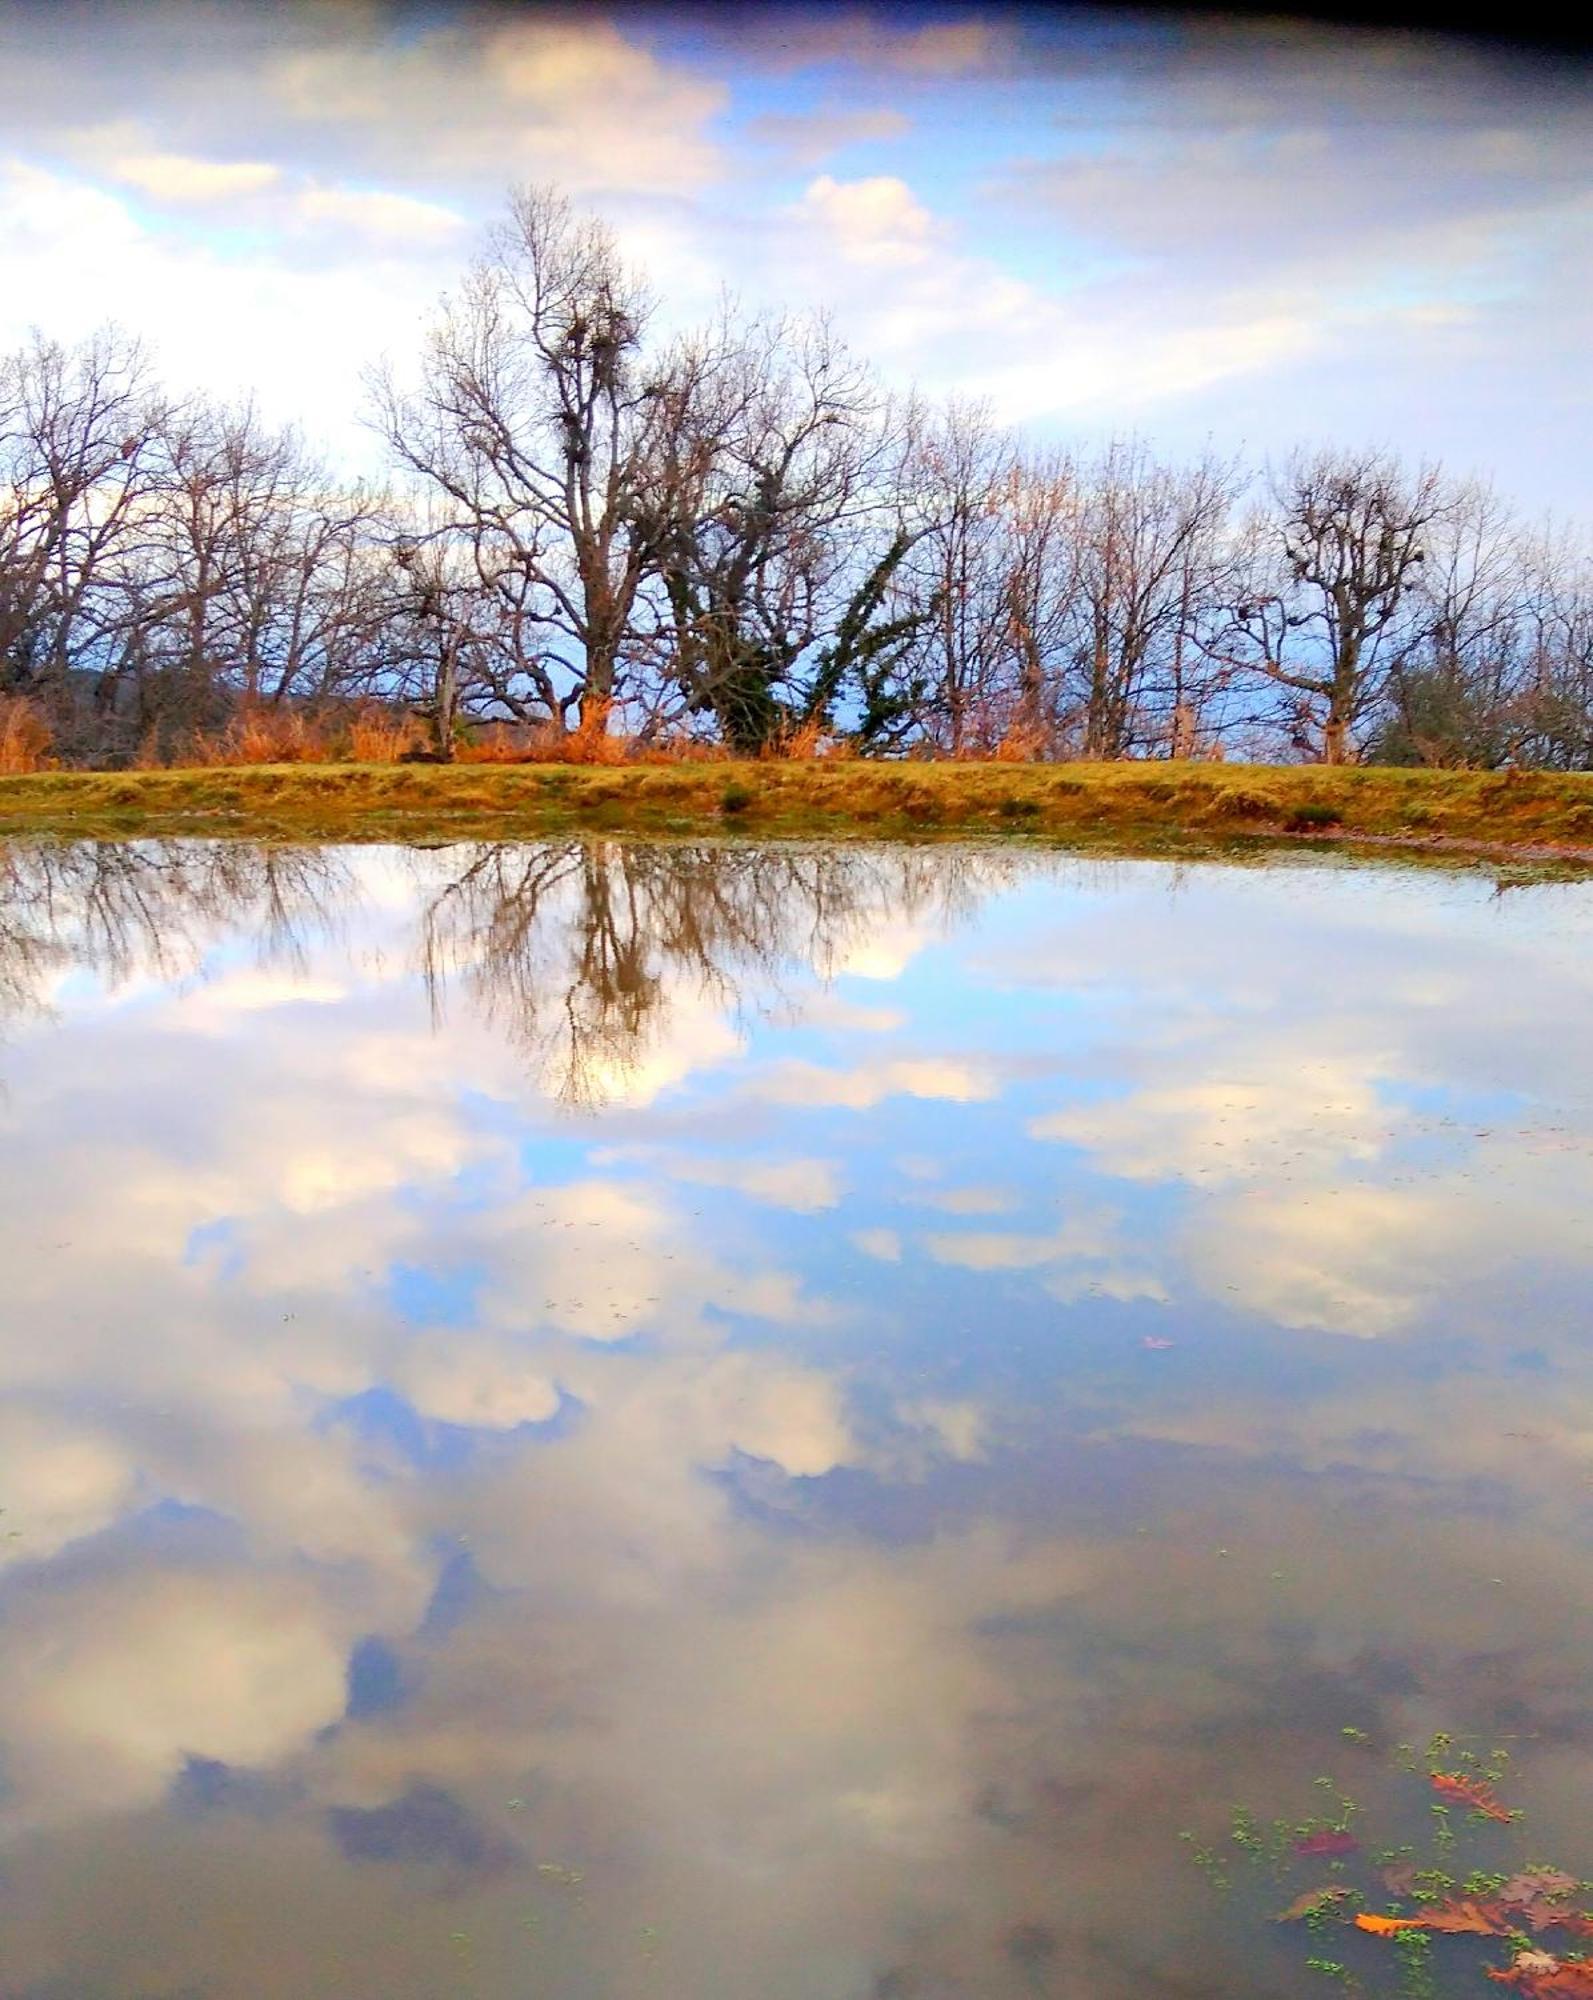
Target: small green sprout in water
(1245, 1835)
(1413, 1951)
(1332, 1910)
(1439, 1744)
(1353, 1735)
(1494, 1768)
(1329, 1969)
(1207, 1860)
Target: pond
(601, 1419)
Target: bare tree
(1152, 546)
(80, 432)
(962, 473)
(1333, 601)
(1041, 507)
(1455, 692)
(535, 423)
(1556, 703)
(739, 533)
(258, 581)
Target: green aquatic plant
(1525, 1920)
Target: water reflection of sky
(607, 1421)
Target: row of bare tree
(739, 533)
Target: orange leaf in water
(1471, 1793)
(1387, 1926)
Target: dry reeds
(382, 735)
(25, 737)
(258, 735)
(796, 742)
(1021, 743)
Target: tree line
(739, 535)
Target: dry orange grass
(24, 737)
(266, 736)
(381, 736)
(593, 742)
(1021, 743)
(798, 742)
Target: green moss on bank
(1145, 807)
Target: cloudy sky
(1251, 231)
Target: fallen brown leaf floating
(1308, 1904)
(1471, 1793)
(1541, 1976)
(1538, 1894)
(1538, 1882)
(1467, 1916)
(1330, 1841)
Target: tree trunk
(447, 703)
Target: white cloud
(1282, 1112)
(61, 1481)
(570, 97)
(1086, 1253)
(877, 222)
(124, 1677)
(176, 177)
(234, 322)
(376, 213)
(459, 1378)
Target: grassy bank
(1148, 807)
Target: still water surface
(589, 1420)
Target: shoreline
(1540, 818)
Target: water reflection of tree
(117, 908)
(582, 951)
(579, 949)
